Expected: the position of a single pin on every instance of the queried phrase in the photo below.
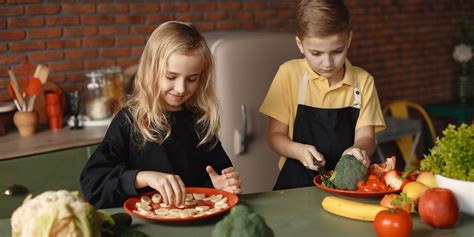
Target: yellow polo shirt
(281, 102)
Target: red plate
(353, 194)
(232, 200)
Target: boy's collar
(348, 74)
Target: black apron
(330, 131)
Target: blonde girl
(165, 137)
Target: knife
(321, 170)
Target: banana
(351, 209)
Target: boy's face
(326, 55)
(180, 80)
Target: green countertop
(295, 212)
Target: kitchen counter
(13, 145)
(295, 212)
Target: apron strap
(302, 88)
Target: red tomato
(438, 208)
(393, 222)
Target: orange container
(55, 122)
(53, 110)
(53, 97)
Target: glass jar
(97, 105)
(113, 86)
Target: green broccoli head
(242, 222)
(348, 172)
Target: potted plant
(452, 161)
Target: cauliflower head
(57, 213)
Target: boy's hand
(359, 154)
(308, 156)
(228, 181)
(170, 186)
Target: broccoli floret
(242, 222)
(348, 172)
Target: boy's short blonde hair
(148, 111)
(321, 18)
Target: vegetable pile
(452, 155)
(62, 213)
(242, 221)
(350, 174)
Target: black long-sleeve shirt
(108, 178)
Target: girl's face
(326, 55)
(180, 79)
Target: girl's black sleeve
(106, 181)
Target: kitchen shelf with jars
(101, 98)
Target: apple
(438, 208)
(414, 190)
(427, 178)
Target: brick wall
(405, 44)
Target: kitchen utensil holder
(26, 122)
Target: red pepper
(372, 185)
(360, 185)
(372, 177)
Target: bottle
(97, 105)
(113, 87)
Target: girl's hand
(308, 155)
(228, 181)
(359, 154)
(170, 186)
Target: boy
(321, 107)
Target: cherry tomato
(393, 222)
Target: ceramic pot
(463, 190)
(26, 122)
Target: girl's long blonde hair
(148, 112)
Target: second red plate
(350, 193)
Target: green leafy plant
(453, 155)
